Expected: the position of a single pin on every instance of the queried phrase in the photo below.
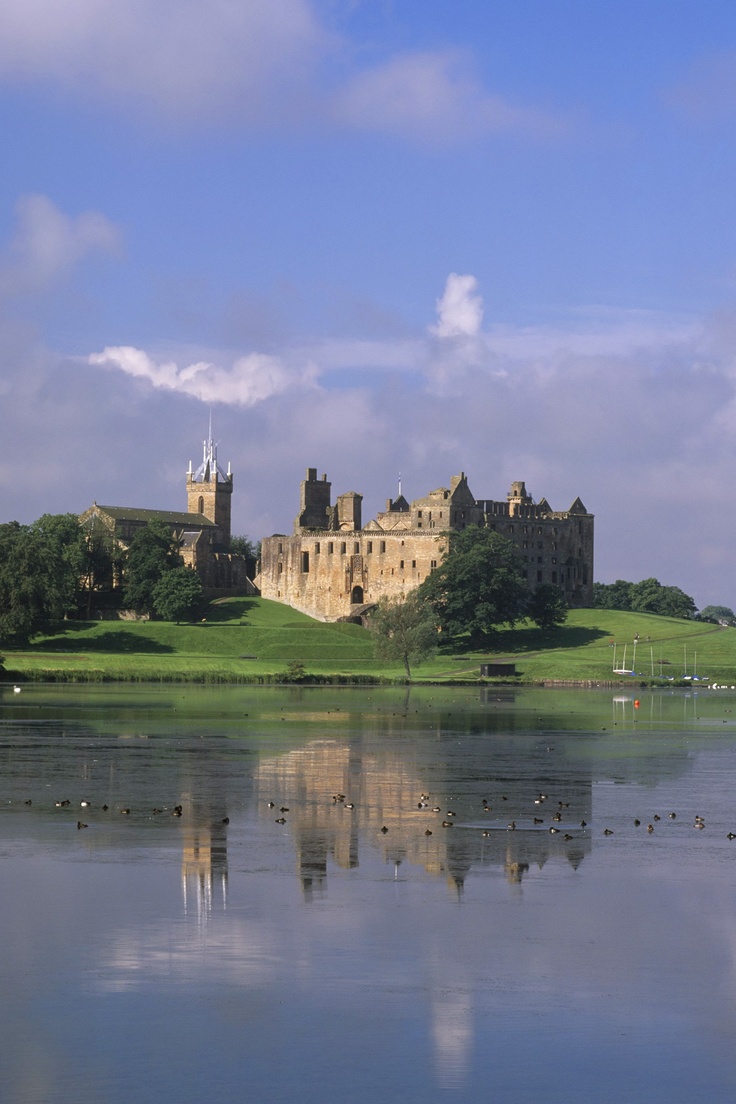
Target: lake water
(219, 955)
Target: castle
(202, 532)
(332, 567)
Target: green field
(253, 639)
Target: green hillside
(254, 638)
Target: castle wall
(329, 574)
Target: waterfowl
(105, 808)
(557, 817)
(80, 825)
(284, 809)
(447, 824)
(271, 804)
(637, 822)
(553, 831)
(731, 835)
(436, 809)
(538, 820)
(384, 830)
(349, 805)
(655, 817)
(650, 827)
(583, 824)
(673, 816)
(428, 831)
(125, 812)
(28, 802)
(281, 820)
(226, 820)
(608, 831)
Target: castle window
(281, 568)
(419, 513)
(382, 546)
(554, 559)
(305, 561)
(539, 576)
(419, 525)
(200, 505)
(330, 548)
(401, 565)
(539, 544)
(414, 564)
(432, 564)
(343, 548)
(510, 528)
(369, 547)
(281, 549)
(554, 576)
(356, 547)
(539, 559)
(316, 549)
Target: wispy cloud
(48, 243)
(435, 97)
(254, 63)
(249, 380)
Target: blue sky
(376, 238)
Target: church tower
(210, 492)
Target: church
(202, 531)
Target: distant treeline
(648, 596)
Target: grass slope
(254, 638)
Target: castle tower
(210, 492)
(517, 497)
(314, 508)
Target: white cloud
(250, 380)
(436, 98)
(48, 243)
(254, 61)
(183, 58)
(460, 309)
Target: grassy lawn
(248, 638)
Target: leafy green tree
(649, 596)
(178, 595)
(404, 630)
(40, 572)
(612, 595)
(478, 586)
(547, 607)
(249, 550)
(717, 614)
(151, 553)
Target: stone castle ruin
(332, 567)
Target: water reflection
(151, 949)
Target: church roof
(168, 517)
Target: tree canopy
(151, 553)
(716, 614)
(647, 596)
(478, 586)
(41, 567)
(249, 550)
(404, 630)
(547, 607)
(178, 595)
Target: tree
(151, 554)
(547, 607)
(612, 595)
(249, 550)
(178, 595)
(648, 596)
(404, 629)
(40, 572)
(478, 586)
(716, 614)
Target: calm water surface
(368, 953)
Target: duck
(608, 831)
(281, 820)
(553, 831)
(80, 825)
(428, 831)
(384, 830)
(447, 824)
